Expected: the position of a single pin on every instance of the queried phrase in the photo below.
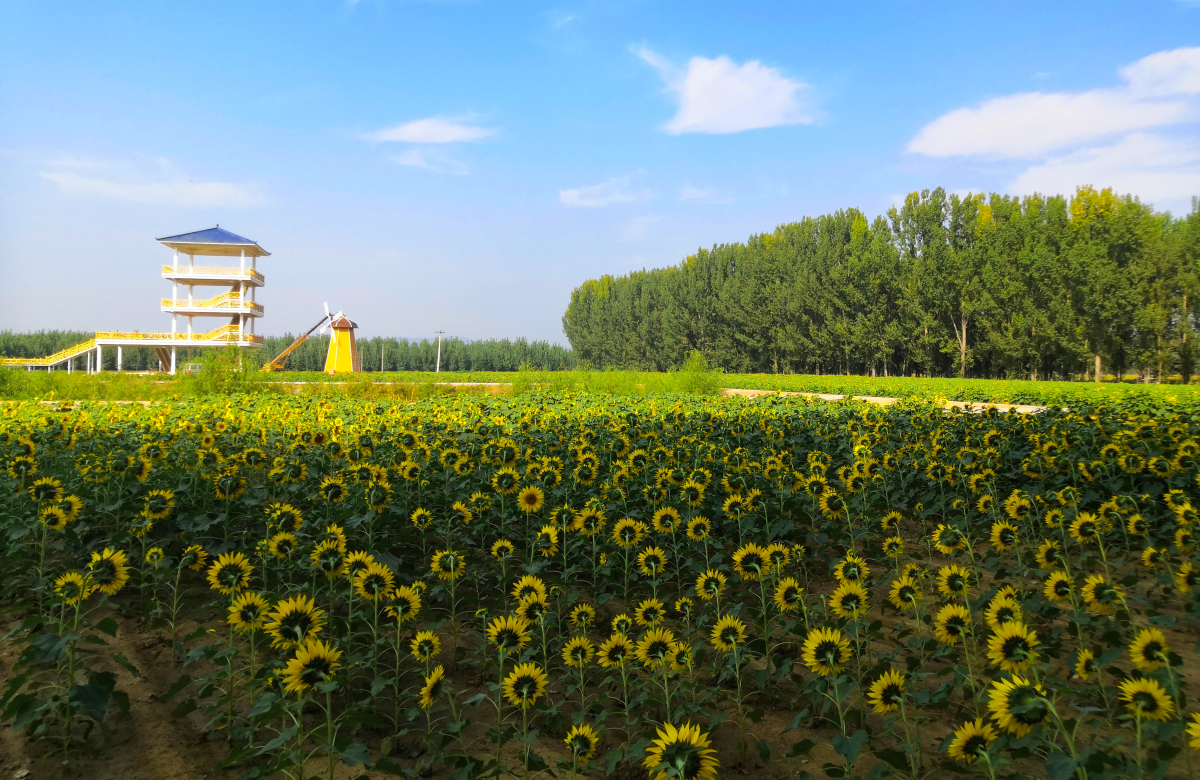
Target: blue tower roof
(214, 241)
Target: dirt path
(971, 406)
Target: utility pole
(438, 369)
(382, 347)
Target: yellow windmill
(342, 357)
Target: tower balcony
(226, 304)
(212, 274)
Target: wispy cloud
(639, 227)
(1157, 92)
(1138, 136)
(719, 96)
(615, 190)
(158, 183)
(431, 161)
(433, 130)
(695, 195)
(559, 19)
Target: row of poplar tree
(981, 285)
(396, 354)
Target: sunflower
(506, 481)
(887, 692)
(1193, 731)
(158, 504)
(525, 685)
(1058, 587)
(509, 633)
(432, 688)
(692, 493)
(425, 646)
(46, 490)
(532, 608)
(583, 742)
(628, 532)
(583, 616)
(194, 557)
(1053, 518)
(905, 593)
(1085, 664)
(1017, 705)
(1100, 595)
(406, 604)
(652, 561)
(789, 596)
(1013, 647)
(852, 569)
(72, 587)
(970, 740)
(849, 600)
(1186, 577)
(1085, 528)
(328, 556)
(710, 584)
(108, 571)
(1149, 649)
(1137, 525)
(825, 651)
(374, 582)
(687, 750)
(501, 549)
(614, 651)
(948, 539)
(1048, 554)
(528, 586)
(314, 662)
(588, 521)
(72, 506)
(448, 565)
(228, 486)
(421, 518)
(952, 623)
(1146, 698)
(655, 646)
(831, 503)
(248, 612)
(531, 499)
(893, 547)
(546, 541)
(1003, 609)
(356, 562)
(728, 633)
(649, 612)
(665, 520)
(282, 545)
(953, 581)
(1004, 535)
(577, 653)
(294, 621)
(750, 561)
(621, 624)
(54, 518)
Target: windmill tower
(342, 357)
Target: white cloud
(1154, 168)
(559, 19)
(689, 194)
(434, 130)
(637, 229)
(1155, 94)
(719, 96)
(432, 162)
(162, 185)
(615, 190)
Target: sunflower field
(563, 585)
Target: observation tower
(226, 292)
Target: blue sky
(463, 166)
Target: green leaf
(764, 750)
(284, 736)
(801, 748)
(183, 708)
(611, 760)
(108, 626)
(126, 664)
(1059, 765)
(90, 699)
(848, 747)
(262, 705)
(357, 754)
(177, 686)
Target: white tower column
(99, 358)
(118, 357)
(172, 361)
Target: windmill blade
(325, 327)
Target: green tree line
(396, 354)
(980, 286)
